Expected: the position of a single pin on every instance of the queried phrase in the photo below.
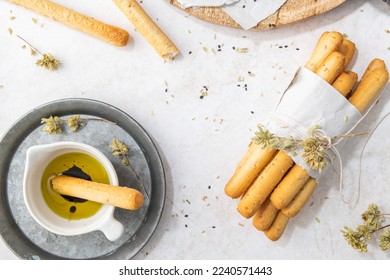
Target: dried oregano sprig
(314, 147)
(119, 149)
(372, 223)
(47, 60)
(54, 125)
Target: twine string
(332, 142)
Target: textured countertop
(201, 110)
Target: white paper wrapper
(247, 13)
(205, 3)
(310, 101)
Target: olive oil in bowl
(78, 165)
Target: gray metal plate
(29, 240)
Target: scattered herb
(314, 146)
(12, 17)
(34, 20)
(119, 149)
(240, 79)
(32, 51)
(372, 223)
(241, 50)
(204, 92)
(10, 30)
(1, 86)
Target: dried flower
(75, 122)
(314, 153)
(119, 149)
(52, 125)
(48, 62)
(384, 240)
(355, 239)
(372, 219)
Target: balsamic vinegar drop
(77, 165)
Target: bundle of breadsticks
(272, 187)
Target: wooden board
(291, 11)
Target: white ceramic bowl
(38, 157)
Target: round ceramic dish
(25, 237)
(36, 161)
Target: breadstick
(149, 30)
(327, 43)
(264, 217)
(376, 63)
(300, 199)
(347, 49)
(109, 33)
(247, 169)
(368, 88)
(345, 82)
(275, 231)
(332, 67)
(260, 189)
(122, 197)
(289, 186)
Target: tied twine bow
(315, 145)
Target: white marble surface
(202, 140)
